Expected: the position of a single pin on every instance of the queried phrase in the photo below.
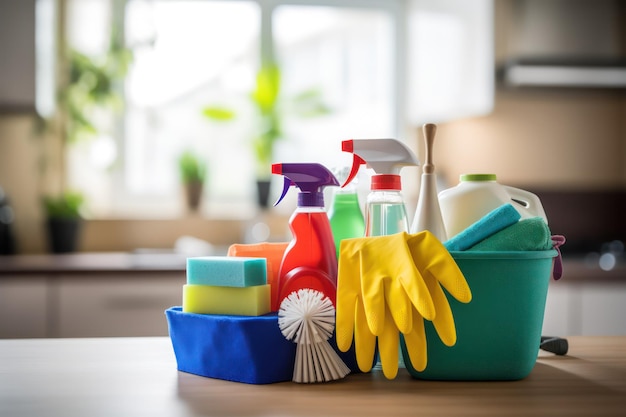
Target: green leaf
(310, 103)
(271, 109)
(66, 206)
(267, 88)
(220, 114)
(192, 168)
(93, 84)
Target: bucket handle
(557, 270)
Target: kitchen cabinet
(88, 295)
(121, 304)
(586, 301)
(28, 47)
(17, 46)
(24, 307)
(604, 307)
(562, 313)
(74, 305)
(586, 309)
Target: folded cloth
(494, 221)
(525, 235)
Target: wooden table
(117, 377)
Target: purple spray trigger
(286, 184)
(557, 242)
(310, 178)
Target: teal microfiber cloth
(525, 235)
(494, 221)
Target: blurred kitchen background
(107, 102)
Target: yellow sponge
(239, 301)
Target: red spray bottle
(310, 260)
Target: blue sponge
(226, 271)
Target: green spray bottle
(385, 212)
(345, 215)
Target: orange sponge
(273, 252)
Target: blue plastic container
(499, 331)
(248, 349)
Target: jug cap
(478, 177)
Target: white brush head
(307, 317)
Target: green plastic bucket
(499, 331)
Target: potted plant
(265, 98)
(93, 85)
(270, 110)
(193, 171)
(90, 87)
(63, 220)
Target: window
(192, 54)
(370, 65)
(347, 54)
(188, 55)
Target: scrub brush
(307, 317)
(428, 213)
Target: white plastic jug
(478, 194)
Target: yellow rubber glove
(378, 288)
(438, 268)
(415, 343)
(384, 292)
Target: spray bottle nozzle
(277, 169)
(357, 161)
(310, 178)
(384, 156)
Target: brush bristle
(307, 317)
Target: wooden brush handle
(429, 129)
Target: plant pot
(193, 194)
(263, 193)
(63, 234)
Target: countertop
(138, 377)
(93, 262)
(576, 269)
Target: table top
(138, 377)
(92, 262)
(576, 270)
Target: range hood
(559, 72)
(566, 43)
